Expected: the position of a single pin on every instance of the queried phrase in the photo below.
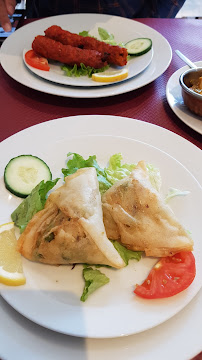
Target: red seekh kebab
(115, 55)
(67, 54)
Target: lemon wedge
(11, 270)
(110, 75)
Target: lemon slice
(11, 270)
(111, 75)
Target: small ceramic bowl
(192, 99)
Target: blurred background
(191, 8)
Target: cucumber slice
(138, 46)
(23, 173)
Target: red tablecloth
(22, 107)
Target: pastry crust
(70, 228)
(136, 215)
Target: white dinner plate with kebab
(141, 70)
(51, 295)
(134, 66)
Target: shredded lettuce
(32, 204)
(112, 173)
(107, 176)
(94, 279)
(172, 192)
(116, 170)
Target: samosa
(70, 228)
(136, 215)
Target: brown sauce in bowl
(196, 85)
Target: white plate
(135, 65)
(170, 340)
(12, 50)
(175, 100)
(51, 294)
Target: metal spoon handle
(186, 60)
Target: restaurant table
(22, 107)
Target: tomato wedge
(36, 61)
(170, 276)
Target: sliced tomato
(36, 61)
(170, 276)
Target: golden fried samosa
(136, 215)
(70, 228)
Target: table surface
(22, 107)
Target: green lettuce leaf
(82, 70)
(116, 170)
(105, 35)
(125, 253)
(84, 33)
(32, 204)
(94, 279)
(78, 162)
